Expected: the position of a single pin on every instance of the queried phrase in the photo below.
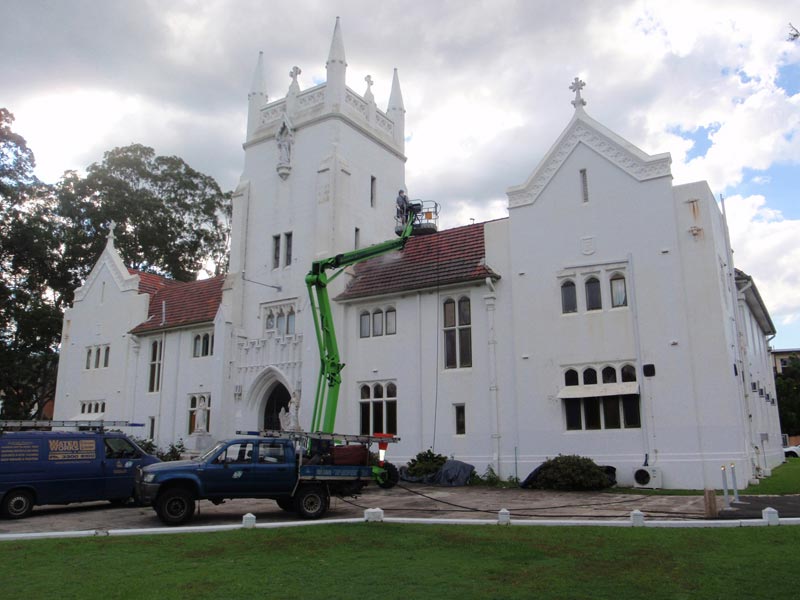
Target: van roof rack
(25, 425)
(307, 435)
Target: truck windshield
(211, 451)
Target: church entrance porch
(277, 399)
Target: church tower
(322, 169)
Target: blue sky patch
(789, 78)
(778, 185)
(700, 137)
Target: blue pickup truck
(259, 467)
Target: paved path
(407, 500)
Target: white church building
(603, 317)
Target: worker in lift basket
(402, 206)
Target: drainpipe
(490, 300)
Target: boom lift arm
(317, 280)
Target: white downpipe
(490, 300)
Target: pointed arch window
(377, 323)
(364, 324)
(619, 294)
(628, 373)
(457, 333)
(378, 414)
(89, 358)
(589, 376)
(571, 377)
(593, 298)
(290, 322)
(609, 375)
(569, 299)
(154, 380)
(106, 356)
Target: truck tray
(335, 472)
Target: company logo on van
(71, 449)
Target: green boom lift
(420, 218)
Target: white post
(726, 501)
(733, 483)
(249, 521)
(770, 515)
(373, 515)
(504, 517)
(637, 518)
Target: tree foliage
(787, 387)
(30, 319)
(170, 219)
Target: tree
(787, 387)
(170, 219)
(30, 320)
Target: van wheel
(175, 506)
(286, 504)
(17, 504)
(312, 501)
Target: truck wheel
(312, 501)
(286, 504)
(18, 504)
(175, 506)
(389, 478)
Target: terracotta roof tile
(183, 303)
(451, 256)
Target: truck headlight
(148, 477)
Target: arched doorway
(278, 399)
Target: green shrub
(570, 473)
(426, 463)
(490, 478)
(173, 452)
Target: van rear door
(119, 465)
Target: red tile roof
(183, 303)
(450, 256)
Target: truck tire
(311, 501)
(286, 504)
(175, 506)
(390, 478)
(17, 504)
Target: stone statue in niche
(200, 418)
(285, 140)
(290, 419)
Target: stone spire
(257, 97)
(397, 112)
(337, 68)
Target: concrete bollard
(637, 518)
(373, 515)
(504, 517)
(249, 521)
(770, 515)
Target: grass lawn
(785, 479)
(410, 561)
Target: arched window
(609, 375)
(364, 324)
(89, 358)
(593, 299)
(97, 358)
(569, 299)
(589, 376)
(628, 373)
(280, 322)
(377, 391)
(83, 408)
(154, 384)
(391, 321)
(198, 346)
(102, 407)
(206, 344)
(290, 322)
(619, 295)
(457, 334)
(97, 407)
(391, 390)
(377, 322)
(106, 355)
(571, 377)
(365, 392)
(269, 324)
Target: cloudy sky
(485, 86)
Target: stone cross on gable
(368, 94)
(111, 226)
(294, 73)
(576, 86)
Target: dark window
(373, 190)
(364, 322)
(365, 392)
(593, 300)
(391, 416)
(377, 391)
(365, 420)
(609, 375)
(377, 323)
(589, 376)
(89, 362)
(276, 251)
(569, 299)
(628, 373)
(289, 322)
(584, 185)
(391, 390)
(206, 345)
(106, 356)
(97, 358)
(461, 420)
(198, 346)
(572, 408)
(619, 295)
(154, 383)
(288, 243)
(357, 239)
(571, 377)
(377, 417)
(391, 321)
(630, 410)
(457, 334)
(591, 408)
(611, 412)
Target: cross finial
(294, 73)
(111, 227)
(368, 79)
(368, 94)
(576, 86)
